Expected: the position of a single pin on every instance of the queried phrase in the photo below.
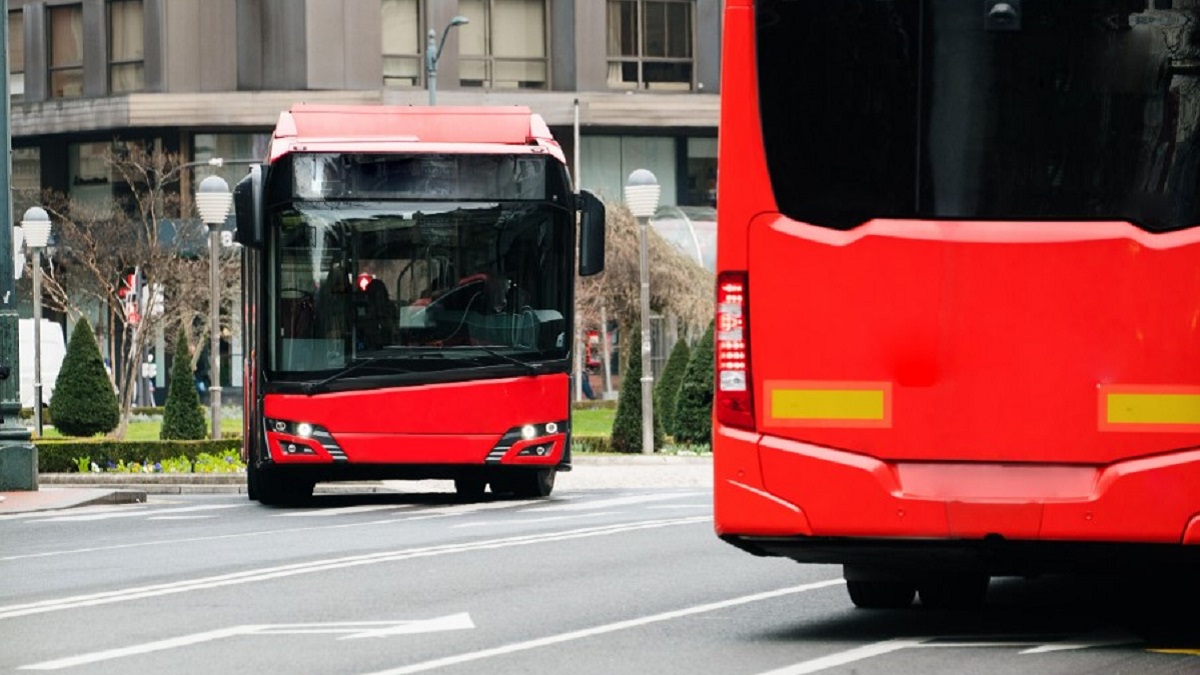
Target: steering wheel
(294, 294)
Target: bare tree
(141, 228)
(678, 285)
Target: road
(604, 580)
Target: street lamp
(433, 53)
(641, 196)
(213, 200)
(35, 225)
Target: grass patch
(593, 422)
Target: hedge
(59, 455)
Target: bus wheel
(881, 594)
(272, 488)
(470, 487)
(955, 591)
(527, 484)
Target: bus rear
(958, 271)
(408, 291)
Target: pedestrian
(587, 384)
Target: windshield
(368, 288)
(1038, 110)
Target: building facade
(623, 84)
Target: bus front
(958, 271)
(410, 317)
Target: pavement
(58, 491)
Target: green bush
(693, 407)
(666, 390)
(627, 425)
(183, 416)
(83, 402)
(64, 455)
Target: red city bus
(408, 281)
(959, 290)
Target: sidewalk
(68, 490)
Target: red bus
(959, 290)
(408, 287)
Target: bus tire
(273, 488)
(526, 483)
(869, 594)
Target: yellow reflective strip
(1153, 408)
(827, 404)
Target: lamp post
(35, 224)
(18, 457)
(641, 196)
(213, 200)
(433, 53)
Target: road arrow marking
(349, 629)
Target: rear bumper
(816, 504)
(994, 557)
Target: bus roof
(356, 127)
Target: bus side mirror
(248, 206)
(591, 234)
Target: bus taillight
(734, 399)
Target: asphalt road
(593, 580)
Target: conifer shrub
(693, 405)
(83, 402)
(183, 416)
(627, 423)
(666, 390)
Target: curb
(235, 482)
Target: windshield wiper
(310, 388)
(531, 368)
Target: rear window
(1077, 110)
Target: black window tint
(916, 109)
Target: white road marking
(848, 656)
(349, 630)
(179, 517)
(1037, 646)
(606, 628)
(281, 571)
(141, 511)
(615, 501)
(344, 510)
(427, 514)
(527, 521)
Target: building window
(237, 152)
(650, 44)
(16, 54)
(402, 55)
(66, 51)
(504, 45)
(26, 178)
(90, 176)
(126, 54)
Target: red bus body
(947, 397)
(474, 424)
